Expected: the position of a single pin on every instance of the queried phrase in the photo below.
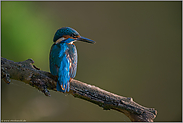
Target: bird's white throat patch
(71, 42)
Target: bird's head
(69, 35)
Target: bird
(63, 56)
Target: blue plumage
(63, 56)
(65, 31)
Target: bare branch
(26, 72)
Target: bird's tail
(63, 87)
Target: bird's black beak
(85, 40)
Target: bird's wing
(59, 65)
(52, 58)
(73, 60)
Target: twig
(25, 71)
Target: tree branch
(25, 71)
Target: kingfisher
(63, 56)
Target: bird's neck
(59, 40)
(64, 40)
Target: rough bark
(26, 72)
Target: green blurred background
(137, 54)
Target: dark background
(137, 54)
